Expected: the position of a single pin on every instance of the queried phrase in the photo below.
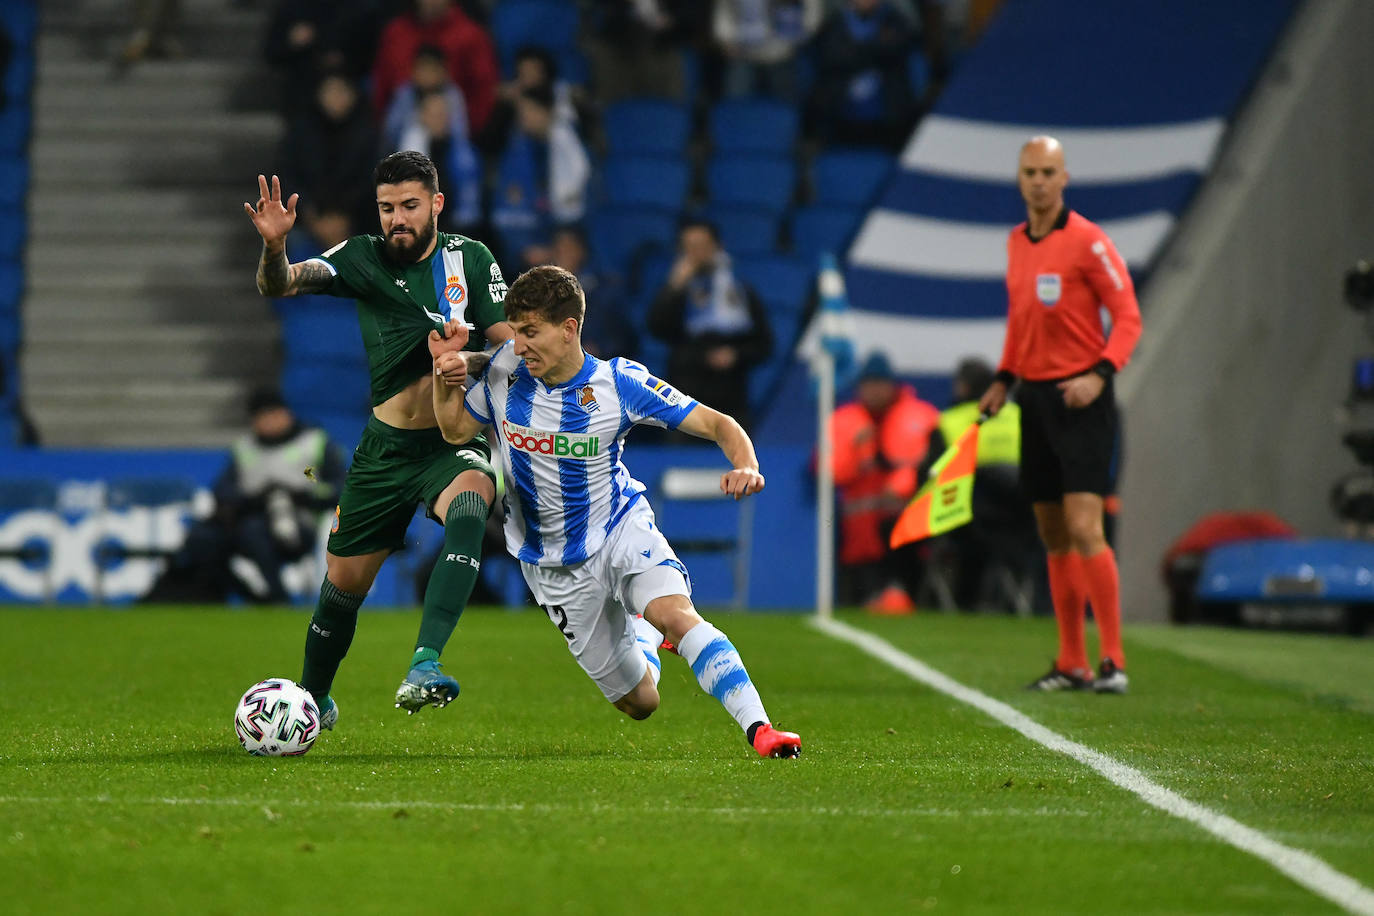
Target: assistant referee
(1062, 270)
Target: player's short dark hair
(407, 165)
(549, 293)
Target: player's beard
(419, 244)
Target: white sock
(649, 640)
(720, 672)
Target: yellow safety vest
(999, 441)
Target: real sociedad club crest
(586, 399)
(1048, 288)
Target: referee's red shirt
(1054, 289)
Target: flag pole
(834, 356)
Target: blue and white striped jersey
(560, 448)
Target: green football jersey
(399, 305)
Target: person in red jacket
(467, 48)
(880, 439)
(1061, 271)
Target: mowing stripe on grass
(1302, 867)
(270, 804)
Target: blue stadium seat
(754, 125)
(823, 227)
(11, 236)
(14, 181)
(745, 231)
(543, 23)
(14, 127)
(765, 380)
(751, 180)
(11, 285)
(783, 282)
(659, 181)
(623, 235)
(312, 388)
(320, 328)
(851, 177)
(19, 19)
(649, 126)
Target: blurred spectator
(282, 478)
(541, 180)
(636, 46)
(1001, 538)
(758, 41)
(308, 37)
(863, 93)
(155, 24)
(607, 330)
(535, 67)
(880, 439)
(328, 153)
(428, 115)
(468, 52)
(714, 324)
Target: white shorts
(593, 603)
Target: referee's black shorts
(1065, 450)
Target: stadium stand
(19, 22)
(925, 271)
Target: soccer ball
(277, 718)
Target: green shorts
(393, 470)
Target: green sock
(327, 641)
(455, 573)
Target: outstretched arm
(722, 429)
(273, 220)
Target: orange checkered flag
(946, 500)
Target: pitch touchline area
(1302, 867)
(269, 803)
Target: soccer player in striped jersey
(577, 521)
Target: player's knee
(640, 703)
(1085, 534)
(672, 615)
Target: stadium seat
(14, 181)
(745, 230)
(754, 125)
(659, 181)
(751, 180)
(823, 227)
(14, 127)
(543, 23)
(11, 236)
(311, 388)
(318, 328)
(783, 282)
(11, 285)
(19, 18)
(646, 126)
(625, 234)
(849, 177)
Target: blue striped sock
(719, 671)
(649, 640)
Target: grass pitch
(123, 789)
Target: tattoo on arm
(477, 363)
(277, 277)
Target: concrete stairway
(142, 323)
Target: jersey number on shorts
(560, 617)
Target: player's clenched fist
(447, 352)
(741, 482)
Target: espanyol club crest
(1047, 288)
(454, 291)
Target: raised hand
(270, 217)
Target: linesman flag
(946, 500)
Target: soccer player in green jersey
(408, 282)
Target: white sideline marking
(1303, 867)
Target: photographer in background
(281, 479)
